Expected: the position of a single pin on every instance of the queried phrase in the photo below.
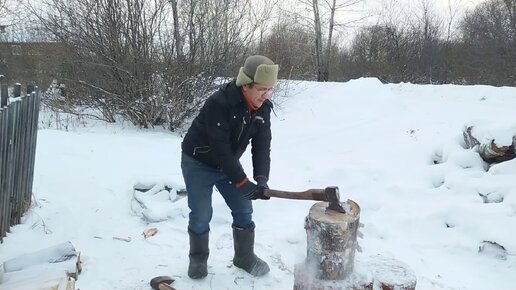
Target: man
(232, 117)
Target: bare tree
(330, 8)
(453, 8)
(177, 33)
(9, 16)
(150, 61)
(215, 36)
(424, 42)
(3, 10)
(113, 56)
(318, 40)
(291, 44)
(489, 43)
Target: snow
(395, 149)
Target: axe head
(333, 198)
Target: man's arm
(261, 144)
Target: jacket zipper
(242, 129)
(244, 122)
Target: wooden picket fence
(18, 135)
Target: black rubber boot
(199, 251)
(245, 258)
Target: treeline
(153, 62)
(482, 52)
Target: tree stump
(332, 240)
(330, 262)
(388, 273)
(331, 244)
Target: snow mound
(480, 190)
(501, 133)
(157, 201)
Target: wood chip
(78, 264)
(128, 239)
(149, 232)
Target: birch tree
(326, 12)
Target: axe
(329, 194)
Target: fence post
(8, 161)
(4, 96)
(15, 163)
(17, 90)
(30, 89)
(4, 170)
(4, 200)
(33, 129)
(21, 161)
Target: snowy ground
(396, 150)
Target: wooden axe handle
(311, 194)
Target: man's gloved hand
(262, 186)
(246, 188)
(249, 190)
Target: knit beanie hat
(258, 69)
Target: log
(42, 279)
(55, 254)
(488, 149)
(56, 267)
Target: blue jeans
(199, 180)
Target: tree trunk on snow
(489, 151)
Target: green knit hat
(258, 69)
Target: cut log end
(304, 280)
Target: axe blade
(333, 198)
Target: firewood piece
(149, 232)
(55, 267)
(489, 151)
(38, 279)
(125, 239)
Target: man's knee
(199, 224)
(243, 217)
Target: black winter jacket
(219, 135)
